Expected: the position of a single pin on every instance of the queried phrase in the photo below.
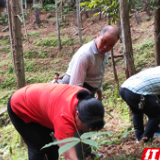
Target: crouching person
(142, 94)
(39, 109)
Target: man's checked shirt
(146, 82)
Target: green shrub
(5, 49)
(33, 34)
(36, 54)
(148, 18)
(49, 7)
(53, 42)
(4, 41)
(30, 66)
(3, 19)
(9, 83)
(10, 69)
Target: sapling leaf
(126, 133)
(109, 114)
(89, 134)
(100, 133)
(90, 142)
(67, 147)
(86, 135)
(62, 141)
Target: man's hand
(99, 95)
(89, 158)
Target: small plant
(49, 7)
(3, 19)
(9, 83)
(6, 41)
(148, 18)
(71, 142)
(29, 66)
(49, 15)
(33, 34)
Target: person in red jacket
(39, 109)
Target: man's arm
(79, 71)
(99, 95)
(151, 127)
(69, 154)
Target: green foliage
(86, 39)
(36, 79)
(10, 144)
(73, 141)
(4, 97)
(148, 18)
(109, 8)
(5, 49)
(4, 41)
(53, 42)
(33, 34)
(143, 53)
(9, 83)
(36, 54)
(29, 66)
(3, 19)
(10, 69)
(49, 7)
(127, 133)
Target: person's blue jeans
(151, 109)
(35, 136)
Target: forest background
(46, 51)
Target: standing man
(142, 94)
(87, 68)
(2, 6)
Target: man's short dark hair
(2, 4)
(56, 74)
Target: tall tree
(79, 21)
(157, 32)
(58, 28)
(16, 40)
(127, 42)
(138, 18)
(147, 6)
(36, 12)
(126, 39)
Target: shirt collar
(94, 48)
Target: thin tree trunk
(147, 7)
(24, 23)
(25, 4)
(86, 13)
(157, 33)
(79, 21)
(119, 30)
(138, 18)
(58, 28)
(16, 41)
(36, 13)
(126, 38)
(114, 70)
(100, 10)
(16, 44)
(127, 43)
